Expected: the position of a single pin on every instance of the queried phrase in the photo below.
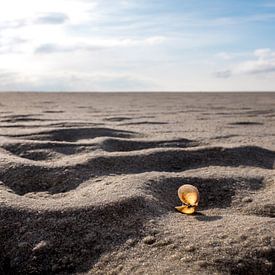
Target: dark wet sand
(88, 183)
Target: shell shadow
(204, 218)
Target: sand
(88, 183)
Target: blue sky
(137, 45)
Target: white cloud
(77, 11)
(264, 53)
(225, 55)
(97, 44)
(255, 67)
(11, 44)
(52, 18)
(7, 77)
(48, 27)
(223, 74)
(263, 63)
(72, 81)
(56, 48)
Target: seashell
(189, 196)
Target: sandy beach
(88, 183)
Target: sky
(137, 45)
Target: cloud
(11, 44)
(53, 48)
(6, 76)
(52, 18)
(13, 24)
(76, 10)
(264, 53)
(263, 64)
(225, 55)
(223, 74)
(72, 81)
(97, 44)
(255, 67)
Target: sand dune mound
(88, 184)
